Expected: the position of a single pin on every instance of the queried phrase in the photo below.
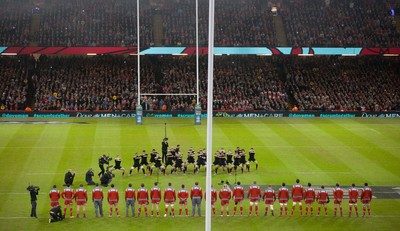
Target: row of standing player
(254, 194)
(226, 160)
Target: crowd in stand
(241, 83)
(242, 23)
(366, 23)
(15, 21)
(93, 23)
(342, 84)
(13, 83)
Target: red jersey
(283, 195)
(309, 195)
(269, 196)
(338, 195)
(155, 194)
(213, 196)
(183, 195)
(54, 197)
(142, 196)
(238, 193)
(81, 196)
(254, 193)
(297, 193)
(366, 195)
(130, 194)
(353, 195)
(225, 194)
(196, 192)
(68, 195)
(97, 194)
(113, 196)
(322, 197)
(169, 195)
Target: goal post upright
(139, 109)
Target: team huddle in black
(172, 160)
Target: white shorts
(295, 203)
(283, 204)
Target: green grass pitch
(321, 151)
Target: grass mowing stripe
(323, 155)
(355, 159)
(367, 148)
(303, 158)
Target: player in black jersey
(136, 163)
(237, 162)
(143, 162)
(243, 160)
(201, 160)
(190, 160)
(252, 158)
(229, 161)
(153, 155)
(117, 165)
(178, 165)
(157, 164)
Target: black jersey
(229, 157)
(252, 154)
(136, 161)
(158, 160)
(236, 160)
(153, 157)
(117, 163)
(144, 159)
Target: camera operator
(89, 177)
(34, 191)
(104, 159)
(69, 178)
(105, 180)
(56, 214)
(164, 148)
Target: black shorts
(190, 160)
(252, 159)
(144, 163)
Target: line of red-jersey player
(254, 195)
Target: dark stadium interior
(242, 82)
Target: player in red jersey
(97, 198)
(225, 194)
(238, 196)
(270, 197)
(338, 196)
(155, 196)
(254, 195)
(309, 197)
(130, 198)
(213, 198)
(323, 199)
(366, 197)
(143, 199)
(81, 199)
(353, 196)
(68, 194)
(183, 195)
(113, 198)
(169, 199)
(54, 196)
(283, 197)
(196, 195)
(297, 196)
